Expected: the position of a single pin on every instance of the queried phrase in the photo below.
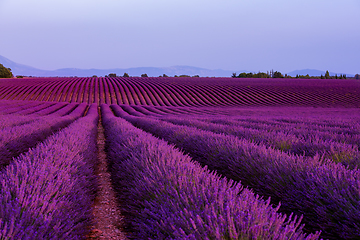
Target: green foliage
(251, 75)
(304, 76)
(277, 75)
(184, 75)
(341, 76)
(5, 72)
(327, 75)
(261, 75)
(126, 75)
(164, 75)
(245, 75)
(144, 75)
(112, 75)
(94, 76)
(19, 76)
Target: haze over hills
(24, 70)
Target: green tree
(277, 75)
(126, 75)
(144, 75)
(242, 75)
(5, 72)
(260, 75)
(327, 75)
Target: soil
(107, 216)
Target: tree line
(145, 75)
(277, 74)
(5, 72)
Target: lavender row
(302, 129)
(60, 109)
(18, 139)
(15, 109)
(185, 92)
(12, 120)
(5, 104)
(165, 195)
(47, 193)
(328, 194)
(346, 154)
(50, 109)
(344, 136)
(67, 109)
(337, 121)
(35, 109)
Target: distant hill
(314, 72)
(20, 69)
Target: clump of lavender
(166, 195)
(47, 193)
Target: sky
(252, 35)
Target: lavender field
(188, 158)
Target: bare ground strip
(107, 216)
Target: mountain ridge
(24, 70)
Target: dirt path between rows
(107, 216)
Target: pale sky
(253, 35)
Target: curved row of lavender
(303, 127)
(186, 91)
(327, 193)
(331, 197)
(345, 153)
(22, 135)
(47, 192)
(344, 131)
(335, 139)
(166, 195)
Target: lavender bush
(12, 120)
(51, 109)
(328, 194)
(346, 154)
(165, 195)
(35, 109)
(47, 193)
(18, 139)
(16, 108)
